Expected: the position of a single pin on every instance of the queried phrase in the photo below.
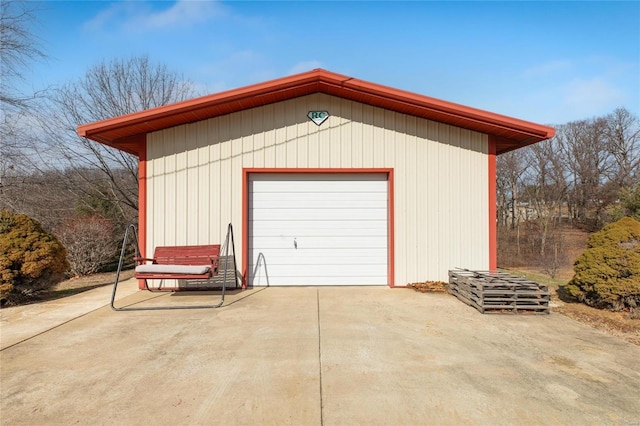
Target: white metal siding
(195, 176)
(318, 229)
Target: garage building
(327, 179)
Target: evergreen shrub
(607, 273)
(31, 259)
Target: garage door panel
(260, 197)
(318, 204)
(331, 274)
(318, 280)
(353, 215)
(321, 227)
(361, 255)
(325, 270)
(285, 251)
(339, 223)
(316, 187)
(300, 230)
(320, 242)
(332, 261)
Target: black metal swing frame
(131, 232)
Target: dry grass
(616, 323)
(620, 324)
(429, 287)
(79, 284)
(95, 280)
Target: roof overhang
(125, 131)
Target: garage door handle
(295, 244)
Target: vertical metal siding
(441, 176)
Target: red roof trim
(450, 108)
(119, 132)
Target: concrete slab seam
(52, 328)
(319, 357)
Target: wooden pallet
(498, 292)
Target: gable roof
(125, 131)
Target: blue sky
(547, 62)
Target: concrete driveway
(308, 356)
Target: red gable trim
(124, 132)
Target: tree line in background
(86, 193)
(76, 188)
(81, 192)
(586, 177)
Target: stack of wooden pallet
(494, 291)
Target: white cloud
(570, 89)
(183, 12)
(305, 66)
(592, 96)
(138, 16)
(561, 101)
(223, 74)
(106, 17)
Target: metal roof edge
(452, 108)
(389, 96)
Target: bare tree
(511, 168)
(583, 147)
(589, 172)
(18, 49)
(547, 188)
(79, 236)
(47, 196)
(622, 138)
(12, 160)
(107, 90)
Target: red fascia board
(114, 131)
(232, 99)
(454, 110)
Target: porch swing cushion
(155, 268)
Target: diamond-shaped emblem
(318, 117)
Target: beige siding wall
(441, 176)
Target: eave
(125, 131)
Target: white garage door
(318, 229)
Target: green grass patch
(539, 278)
